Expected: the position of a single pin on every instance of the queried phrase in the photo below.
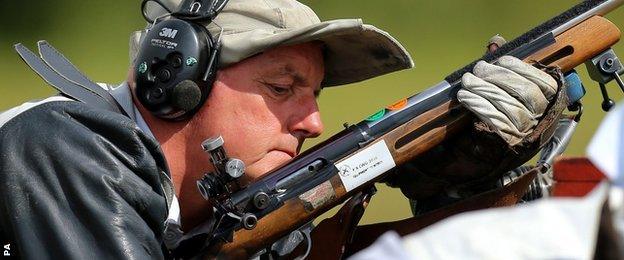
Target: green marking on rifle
(376, 116)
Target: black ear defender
(177, 59)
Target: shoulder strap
(57, 71)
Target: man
(81, 182)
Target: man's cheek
(252, 173)
(266, 164)
(246, 146)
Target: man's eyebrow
(287, 69)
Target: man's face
(265, 106)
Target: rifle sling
(58, 72)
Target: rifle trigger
(357, 211)
(308, 240)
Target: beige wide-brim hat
(354, 51)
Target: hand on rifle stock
(509, 96)
(509, 99)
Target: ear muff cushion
(186, 95)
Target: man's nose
(306, 121)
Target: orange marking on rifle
(397, 105)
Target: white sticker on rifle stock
(365, 165)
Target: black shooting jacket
(80, 183)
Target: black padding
(186, 95)
(529, 36)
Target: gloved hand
(516, 106)
(509, 96)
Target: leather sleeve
(80, 183)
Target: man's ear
(131, 77)
(134, 43)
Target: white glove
(509, 96)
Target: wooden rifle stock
(572, 48)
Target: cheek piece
(177, 59)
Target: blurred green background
(441, 35)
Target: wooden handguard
(572, 48)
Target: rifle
(251, 218)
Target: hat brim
(353, 51)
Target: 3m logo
(166, 32)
